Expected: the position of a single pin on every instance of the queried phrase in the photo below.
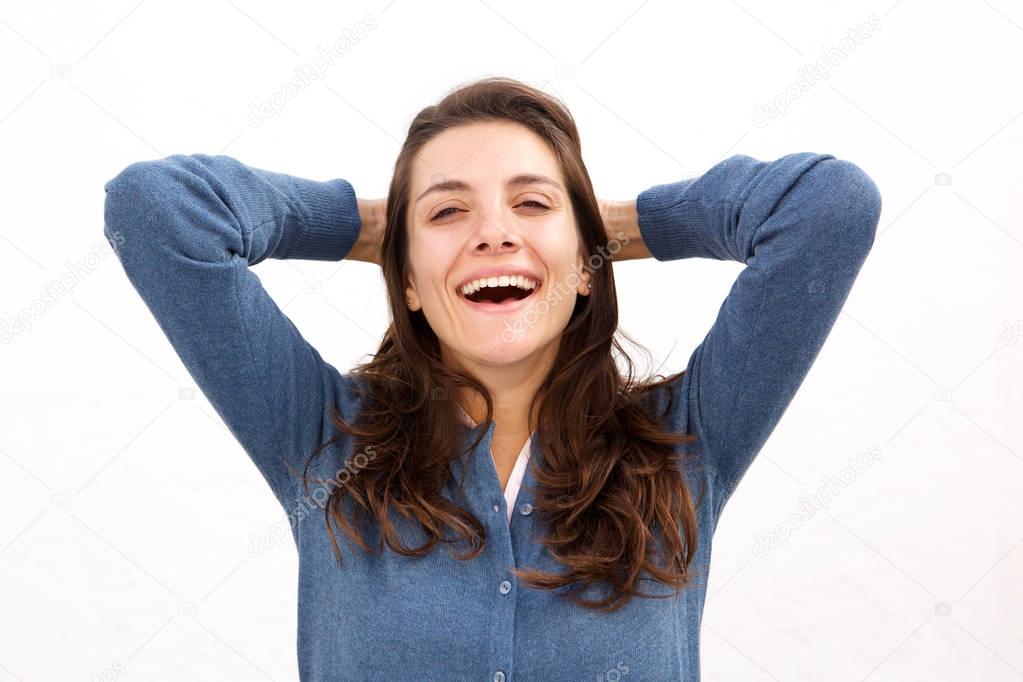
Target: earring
(589, 286)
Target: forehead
(483, 152)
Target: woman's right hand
(373, 215)
(621, 224)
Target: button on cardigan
(511, 491)
(188, 229)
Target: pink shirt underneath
(511, 491)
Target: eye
(441, 213)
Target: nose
(492, 237)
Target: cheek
(559, 248)
(430, 262)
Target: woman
(510, 505)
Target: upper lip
(495, 271)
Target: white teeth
(499, 281)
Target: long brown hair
(610, 479)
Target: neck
(511, 387)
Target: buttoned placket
(506, 538)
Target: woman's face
(489, 198)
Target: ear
(585, 277)
(411, 299)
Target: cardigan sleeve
(187, 229)
(802, 225)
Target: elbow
(123, 213)
(129, 192)
(850, 204)
(134, 197)
(136, 185)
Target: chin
(495, 348)
(500, 352)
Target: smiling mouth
(499, 295)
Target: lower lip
(509, 306)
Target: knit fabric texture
(188, 229)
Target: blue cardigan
(187, 230)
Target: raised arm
(187, 229)
(803, 225)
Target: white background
(127, 509)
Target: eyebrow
(515, 181)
